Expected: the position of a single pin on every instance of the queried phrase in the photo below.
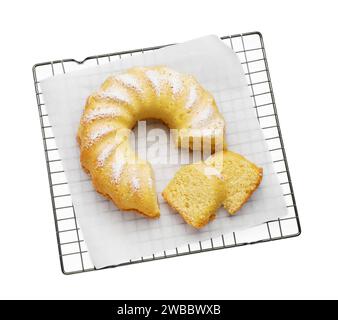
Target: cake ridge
(130, 81)
(115, 93)
(98, 133)
(192, 97)
(102, 112)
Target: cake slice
(196, 192)
(241, 178)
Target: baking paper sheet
(115, 237)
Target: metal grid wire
(74, 257)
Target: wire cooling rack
(73, 253)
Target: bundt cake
(196, 192)
(241, 177)
(125, 98)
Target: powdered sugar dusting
(116, 94)
(136, 183)
(192, 97)
(175, 81)
(129, 81)
(101, 112)
(155, 79)
(99, 132)
(105, 154)
(117, 168)
(202, 116)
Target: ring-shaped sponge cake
(110, 113)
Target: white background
(301, 43)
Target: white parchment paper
(115, 237)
